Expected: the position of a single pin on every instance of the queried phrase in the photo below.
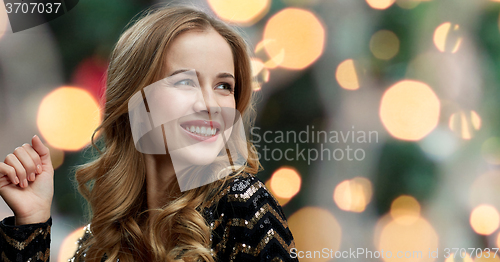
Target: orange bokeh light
(346, 75)
(295, 37)
(285, 182)
(405, 210)
(314, 228)
(67, 117)
(69, 245)
(484, 219)
(353, 195)
(447, 37)
(380, 4)
(409, 110)
(242, 12)
(412, 241)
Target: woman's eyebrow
(219, 75)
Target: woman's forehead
(207, 52)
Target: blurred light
(90, 74)
(4, 19)
(439, 144)
(498, 240)
(491, 150)
(407, 4)
(488, 256)
(67, 117)
(244, 12)
(285, 182)
(484, 219)
(298, 34)
(458, 258)
(69, 245)
(410, 240)
(346, 75)
(405, 210)
(353, 195)
(314, 228)
(281, 201)
(380, 4)
(464, 123)
(409, 110)
(56, 155)
(259, 72)
(384, 44)
(447, 37)
(486, 189)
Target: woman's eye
(186, 82)
(225, 86)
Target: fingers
(42, 151)
(12, 161)
(27, 162)
(35, 157)
(10, 172)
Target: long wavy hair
(114, 184)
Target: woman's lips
(202, 130)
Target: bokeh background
(416, 83)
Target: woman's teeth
(202, 131)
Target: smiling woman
(184, 78)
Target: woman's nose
(206, 101)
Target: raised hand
(27, 182)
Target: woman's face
(195, 102)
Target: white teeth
(203, 131)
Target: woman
(139, 210)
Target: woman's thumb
(42, 150)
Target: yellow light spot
(243, 12)
(464, 123)
(281, 201)
(405, 210)
(353, 195)
(380, 4)
(296, 32)
(491, 150)
(67, 117)
(408, 4)
(56, 155)
(484, 219)
(314, 227)
(409, 110)
(463, 257)
(413, 241)
(346, 75)
(384, 44)
(448, 37)
(69, 245)
(285, 182)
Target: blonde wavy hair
(114, 183)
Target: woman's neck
(160, 175)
